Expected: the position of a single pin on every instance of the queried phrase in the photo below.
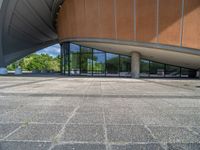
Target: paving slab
(5, 129)
(127, 119)
(42, 132)
(184, 146)
(14, 145)
(16, 117)
(83, 133)
(141, 134)
(80, 147)
(158, 119)
(90, 109)
(174, 135)
(51, 118)
(119, 133)
(187, 119)
(87, 118)
(196, 129)
(137, 147)
(129, 134)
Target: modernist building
(132, 38)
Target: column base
(135, 65)
(135, 76)
(3, 71)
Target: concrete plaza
(60, 113)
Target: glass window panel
(192, 73)
(74, 59)
(112, 64)
(156, 69)
(188, 73)
(184, 73)
(98, 51)
(172, 71)
(144, 68)
(86, 50)
(74, 48)
(98, 63)
(86, 61)
(125, 66)
(75, 64)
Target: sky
(52, 50)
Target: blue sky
(52, 50)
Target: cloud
(52, 50)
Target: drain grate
(197, 86)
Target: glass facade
(84, 61)
(74, 60)
(144, 68)
(125, 66)
(112, 64)
(99, 63)
(172, 71)
(156, 69)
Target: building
(154, 38)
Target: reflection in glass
(99, 63)
(185, 73)
(144, 68)
(125, 66)
(172, 71)
(74, 48)
(74, 59)
(157, 69)
(112, 64)
(92, 62)
(86, 61)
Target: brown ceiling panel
(146, 20)
(61, 24)
(124, 19)
(170, 13)
(191, 31)
(107, 26)
(92, 18)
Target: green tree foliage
(37, 62)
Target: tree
(37, 62)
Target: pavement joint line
(150, 125)
(11, 133)
(147, 128)
(31, 141)
(194, 132)
(61, 132)
(12, 111)
(113, 124)
(141, 96)
(108, 147)
(164, 84)
(27, 83)
(66, 123)
(92, 142)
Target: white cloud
(52, 50)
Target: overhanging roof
(26, 25)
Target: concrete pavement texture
(61, 113)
